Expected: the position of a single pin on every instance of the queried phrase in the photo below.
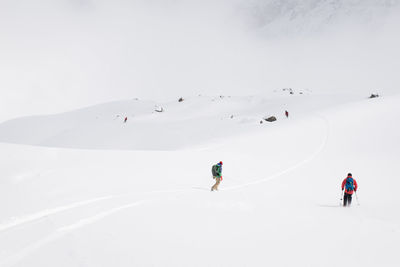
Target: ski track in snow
(19, 221)
(97, 217)
(13, 259)
(14, 222)
(62, 231)
(293, 167)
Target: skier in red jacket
(351, 186)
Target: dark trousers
(347, 199)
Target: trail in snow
(60, 232)
(97, 217)
(12, 259)
(15, 258)
(45, 213)
(293, 167)
(14, 222)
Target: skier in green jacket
(217, 175)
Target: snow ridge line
(14, 222)
(293, 167)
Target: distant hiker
(217, 175)
(286, 114)
(349, 185)
(126, 118)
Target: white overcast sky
(57, 55)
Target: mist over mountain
(61, 55)
(290, 17)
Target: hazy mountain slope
(193, 121)
(316, 16)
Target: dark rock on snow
(270, 119)
(374, 95)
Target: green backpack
(214, 170)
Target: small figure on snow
(286, 114)
(125, 120)
(350, 186)
(217, 175)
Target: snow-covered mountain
(164, 126)
(278, 203)
(293, 17)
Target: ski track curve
(19, 221)
(291, 168)
(14, 222)
(62, 231)
(14, 258)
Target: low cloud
(59, 55)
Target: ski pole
(358, 203)
(341, 197)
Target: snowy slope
(194, 121)
(278, 204)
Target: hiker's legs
(215, 186)
(345, 199)
(349, 200)
(218, 182)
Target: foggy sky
(65, 54)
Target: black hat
(349, 174)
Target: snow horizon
(62, 55)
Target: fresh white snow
(141, 200)
(80, 186)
